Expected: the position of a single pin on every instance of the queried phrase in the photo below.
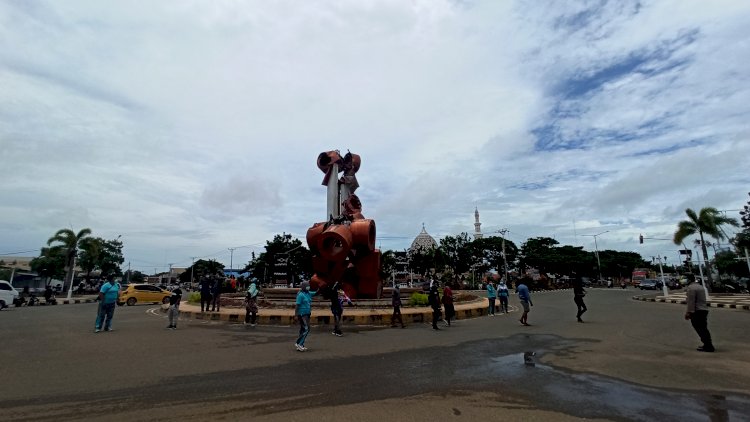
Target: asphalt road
(631, 360)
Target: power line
(19, 252)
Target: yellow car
(142, 293)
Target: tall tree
(742, 239)
(88, 256)
(299, 259)
(490, 249)
(49, 264)
(110, 257)
(387, 264)
(69, 241)
(200, 268)
(422, 260)
(455, 253)
(706, 222)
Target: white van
(8, 294)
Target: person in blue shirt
(491, 295)
(525, 296)
(302, 311)
(108, 295)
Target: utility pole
(703, 280)
(127, 279)
(596, 248)
(170, 272)
(192, 268)
(231, 258)
(72, 274)
(505, 259)
(661, 270)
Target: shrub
(418, 299)
(194, 297)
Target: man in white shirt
(697, 313)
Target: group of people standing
(437, 303)
(210, 288)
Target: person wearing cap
(697, 312)
(174, 308)
(338, 297)
(302, 311)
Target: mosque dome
(423, 241)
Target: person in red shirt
(450, 311)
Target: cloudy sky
(189, 127)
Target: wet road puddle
(595, 396)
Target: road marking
(153, 311)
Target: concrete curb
(376, 317)
(65, 302)
(352, 316)
(356, 316)
(683, 302)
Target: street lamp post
(661, 270)
(231, 258)
(703, 280)
(596, 248)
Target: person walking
(434, 301)
(174, 308)
(578, 293)
(251, 303)
(491, 295)
(396, 303)
(697, 313)
(302, 311)
(205, 288)
(525, 296)
(338, 297)
(450, 311)
(107, 301)
(216, 295)
(503, 293)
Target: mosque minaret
(477, 225)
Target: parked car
(142, 293)
(8, 294)
(649, 284)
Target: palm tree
(708, 221)
(69, 241)
(89, 258)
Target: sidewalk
(71, 301)
(735, 301)
(352, 314)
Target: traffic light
(640, 238)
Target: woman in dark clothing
(396, 303)
(450, 311)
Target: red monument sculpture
(343, 247)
